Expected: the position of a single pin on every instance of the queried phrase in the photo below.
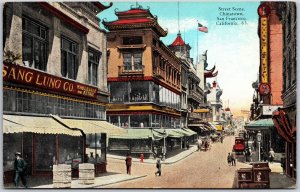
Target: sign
(264, 89)
(263, 11)
(27, 76)
(269, 109)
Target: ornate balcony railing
(131, 70)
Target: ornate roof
(135, 18)
(178, 41)
(210, 73)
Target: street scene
(149, 95)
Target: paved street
(199, 170)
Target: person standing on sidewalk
(20, 170)
(158, 166)
(271, 155)
(128, 161)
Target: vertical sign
(263, 12)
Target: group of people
(205, 143)
(231, 158)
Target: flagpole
(197, 45)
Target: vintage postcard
(189, 95)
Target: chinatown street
(199, 170)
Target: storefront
(286, 128)
(42, 141)
(269, 137)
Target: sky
(234, 49)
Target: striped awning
(91, 126)
(35, 124)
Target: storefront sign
(269, 109)
(24, 75)
(263, 11)
(264, 89)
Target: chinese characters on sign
(264, 49)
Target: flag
(202, 28)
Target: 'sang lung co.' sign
(23, 75)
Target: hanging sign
(263, 12)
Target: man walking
(229, 159)
(128, 161)
(233, 157)
(158, 166)
(20, 170)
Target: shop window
(124, 121)
(139, 121)
(34, 44)
(70, 150)
(94, 57)
(69, 58)
(114, 119)
(118, 92)
(11, 144)
(45, 151)
(139, 91)
(133, 60)
(133, 40)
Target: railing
(160, 73)
(193, 115)
(195, 95)
(131, 70)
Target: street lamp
(258, 138)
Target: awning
(283, 125)
(134, 134)
(201, 110)
(91, 126)
(175, 133)
(260, 124)
(188, 132)
(34, 124)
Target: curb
(138, 177)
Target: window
(69, 58)
(34, 44)
(94, 57)
(139, 91)
(132, 60)
(134, 40)
(118, 92)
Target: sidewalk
(169, 160)
(109, 177)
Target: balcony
(159, 73)
(131, 70)
(195, 96)
(194, 115)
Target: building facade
(285, 117)
(54, 82)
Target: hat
(18, 154)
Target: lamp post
(164, 148)
(258, 138)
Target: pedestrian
(20, 170)
(142, 158)
(283, 162)
(198, 145)
(221, 139)
(271, 155)
(91, 158)
(264, 155)
(229, 159)
(233, 157)
(128, 161)
(158, 166)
